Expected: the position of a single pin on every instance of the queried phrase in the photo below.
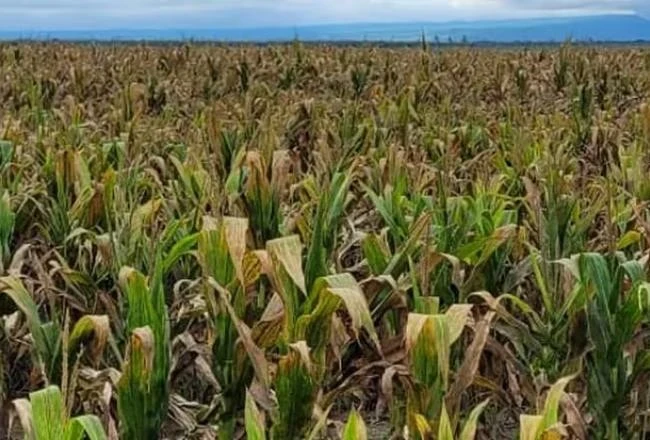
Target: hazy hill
(617, 28)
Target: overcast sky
(116, 14)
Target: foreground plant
(45, 417)
(143, 389)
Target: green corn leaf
(6, 153)
(7, 221)
(179, 249)
(376, 255)
(326, 224)
(552, 404)
(445, 432)
(628, 239)
(254, 420)
(471, 424)
(144, 387)
(140, 415)
(88, 426)
(213, 253)
(355, 427)
(48, 414)
(47, 340)
(295, 391)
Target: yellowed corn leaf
(265, 262)
(433, 332)
(144, 215)
(235, 230)
(18, 260)
(269, 326)
(457, 315)
(414, 325)
(210, 223)
(303, 350)
(274, 309)
(287, 251)
(142, 341)
(321, 418)
(529, 426)
(23, 409)
(96, 326)
(469, 367)
(281, 166)
(422, 426)
(445, 432)
(357, 307)
(126, 275)
(252, 268)
(552, 404)
(339, 337)
(551, 434)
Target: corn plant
(615, 296)
(7, 221)
(546, 424)
(144, 385)
(429, 337)
(221, 252)
(48, 350)
(44, 416)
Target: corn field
(315, 242)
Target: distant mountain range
(612, 28)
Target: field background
(286, 241)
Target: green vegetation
(291, 242)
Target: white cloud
(58, 14)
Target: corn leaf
(85, 426)
(529, 426)
(95, 328)
(46, 336)
(445, 432)
(254, 420)
(140, 415)
(552, 404)
(355, 427)
(295, 390)
(48, 414)
(287, 253)
(23, 409)
(471, 424)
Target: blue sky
(88, 14)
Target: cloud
(59, 14)
(593, 5)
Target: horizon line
(330, 24)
